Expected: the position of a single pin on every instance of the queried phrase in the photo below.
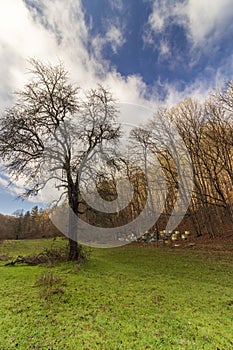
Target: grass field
(131, 297)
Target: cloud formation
(203, 25)
(57, 30)
(206, 20)
(52, 31)
(202, 20)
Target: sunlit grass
(131, 297)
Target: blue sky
(148, 52)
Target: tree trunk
(73, 239)
(73, 229)
(73, 250)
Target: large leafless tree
(53, 129)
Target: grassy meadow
(132, 297)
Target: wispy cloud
(116, 4)
(14, 188)
(203, 21)
(203, 28)
(164, 48)
(113, 38)
(206, 20)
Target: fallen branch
(20, 260)
(47, 256)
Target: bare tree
(52, 132)
(140, 151)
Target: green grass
(131, 297)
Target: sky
(148, 52)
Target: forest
(179, 163)
(27, 225)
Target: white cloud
(130, 89)
(157, 20)
(20, 33)
(162, 12)
(20, 38)
(202, 19)
(14, 188)
(206, 17)
(113, 37)
(200, 88)
(65, 21)
(58, 31)
(3, 181)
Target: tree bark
(73, 237)
(73, 250)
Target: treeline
(7, 227)
(206, 130)
(186, 154)
(32, 224)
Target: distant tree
(19, 223)
(27, 223)
(35, 220)
(51, 131)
